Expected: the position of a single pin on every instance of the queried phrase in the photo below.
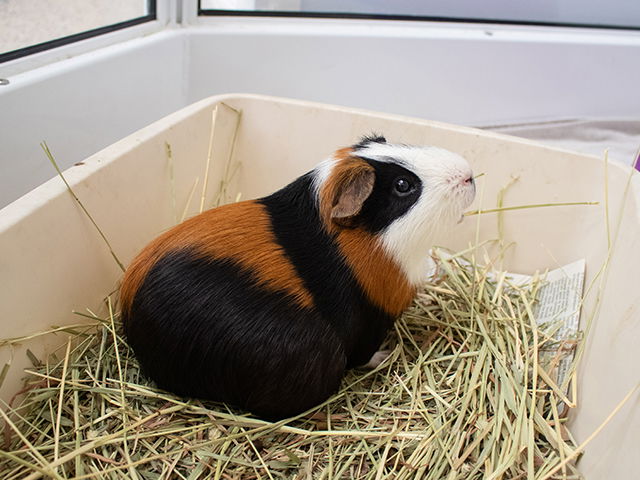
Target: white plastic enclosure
(52, 260)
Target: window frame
(165, 14)
(20, 53)
(418, 18)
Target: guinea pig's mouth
(466, 188)
(465, 192)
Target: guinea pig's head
(404, 195)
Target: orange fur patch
(384, 283)
(346, 170)
(240, 232)
(378, 274)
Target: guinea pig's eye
(402, 186)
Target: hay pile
(462, 396)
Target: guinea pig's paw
(377, 359)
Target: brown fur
(240, 232)
(378, 274)
(345, 190)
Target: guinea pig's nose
(467, 181)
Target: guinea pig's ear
(352, 188)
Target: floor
(620, 137)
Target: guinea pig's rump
(202, 327)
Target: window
(30, 26)
(585, 13)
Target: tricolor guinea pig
(263, 304)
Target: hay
(463, 395)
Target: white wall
(467, 75)
(81, 105)
(458, 74)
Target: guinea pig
(263, 304)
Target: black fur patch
(367, 139)
(313, 252)
(383, 205)
(202, 328)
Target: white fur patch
(445, 194)
(320, 174)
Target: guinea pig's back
(214, 309)
(239, 233)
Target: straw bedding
(463, 395)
